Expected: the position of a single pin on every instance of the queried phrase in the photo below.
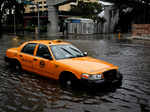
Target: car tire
(68, 81)
(120, 78)
(17, 66)
(8, 61)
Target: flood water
(27, 92)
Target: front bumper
(91, 82)
(101, 83)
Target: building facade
(44, 7)
(33, 8)
(52, 7)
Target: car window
(29, 48)
(65, 51)
(42, 49)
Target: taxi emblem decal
(42, 64)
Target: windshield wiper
(79, 55)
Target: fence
(83, 26)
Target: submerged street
(28, 92)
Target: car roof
(48, 42)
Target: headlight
(92, 77)
(85, 76)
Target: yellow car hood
(88, 65)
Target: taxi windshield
(65, 51)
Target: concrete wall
(85, 28)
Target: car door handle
(20, 55)
(35, 59)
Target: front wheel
(68, 81)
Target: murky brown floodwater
(27, 92)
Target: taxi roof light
(58, 41)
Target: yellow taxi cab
(61, 61)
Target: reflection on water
(27, 92)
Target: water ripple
(27, 92)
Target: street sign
(25, 2)
(28, 2)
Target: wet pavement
(27, 92)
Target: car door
(27, 55)
(43, 63)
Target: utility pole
(38, 17)
(14, 21)
(38, 11)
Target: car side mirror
(85, 53)
(47, 56)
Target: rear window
(29, 48)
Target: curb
(139, 37)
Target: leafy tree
(140, 12)
(131, 11)
(87, 9)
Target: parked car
(61, 61)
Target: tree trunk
(0, 22)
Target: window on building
(40, 6)
(32, 8)
(46, 6)
(40, 2)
